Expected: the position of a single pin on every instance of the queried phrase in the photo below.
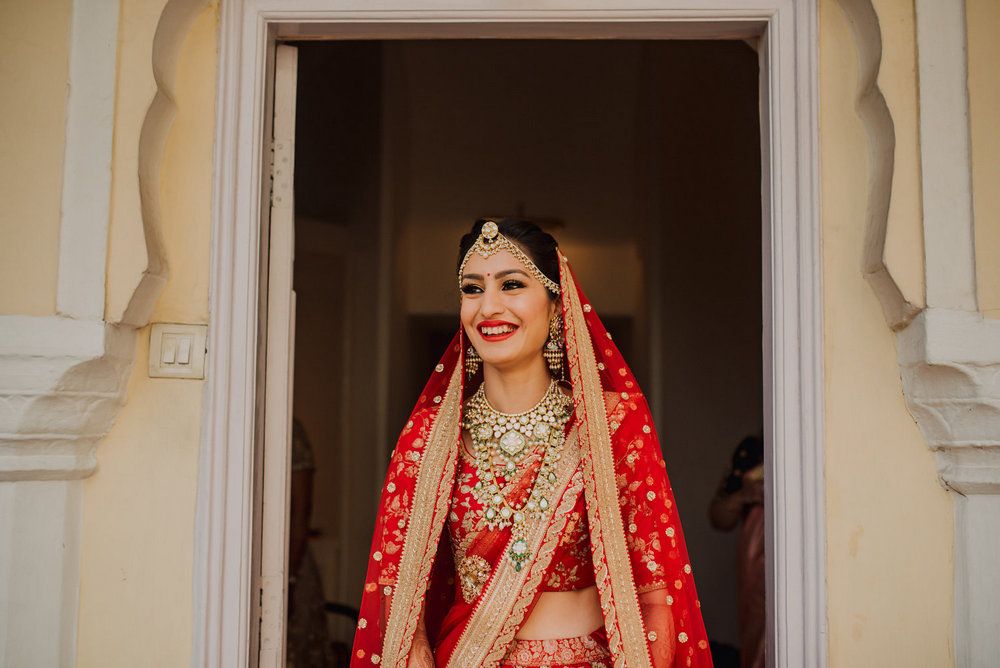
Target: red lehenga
(613, 522)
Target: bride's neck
(516, 390)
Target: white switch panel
(177, 351)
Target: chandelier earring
(472, 362)
(553, 351)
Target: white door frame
(792, 349)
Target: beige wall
(34, 78)
(983, 17)
(889, 523)
(136, 563)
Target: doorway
(642, 157)
(227, 584)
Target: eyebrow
(499, 274)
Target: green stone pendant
(518, 553)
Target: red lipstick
(493, 331)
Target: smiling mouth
(496, 331)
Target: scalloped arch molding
(949, 355)
(881, 132)
(63, 378)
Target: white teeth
(493, 331)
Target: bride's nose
(492, 302)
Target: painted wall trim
(63, 377)
(881, 132)
(86, 193)
(248, 28)
(951, 358)
(63, 382)
(40, 562)
(950, 362)
(945, 156)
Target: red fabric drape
(655, 561)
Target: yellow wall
(34, 73)
(137, 550)
(983, 18)
(889, 524)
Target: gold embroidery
(619, 600)
(431, 495)
(509, 592)
(538, 569)
(473, 572)
(532, 653)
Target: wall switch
(177, 351)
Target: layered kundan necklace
(509, 438)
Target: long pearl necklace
(509, 437)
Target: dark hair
(538, 244)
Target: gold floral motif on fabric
(434, 480)
(509, 592)
(473, 573)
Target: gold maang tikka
(490, 242)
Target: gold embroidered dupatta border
(612, 566)
(431, 497)
(484, 642)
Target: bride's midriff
(563, 614)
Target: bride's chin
(505, 362)
(498, 364)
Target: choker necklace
(511, 436)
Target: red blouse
(571, 566)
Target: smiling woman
(506, 310)
(526, 517)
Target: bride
(526, 517)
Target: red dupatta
(637, 544)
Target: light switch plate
(177, 351)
